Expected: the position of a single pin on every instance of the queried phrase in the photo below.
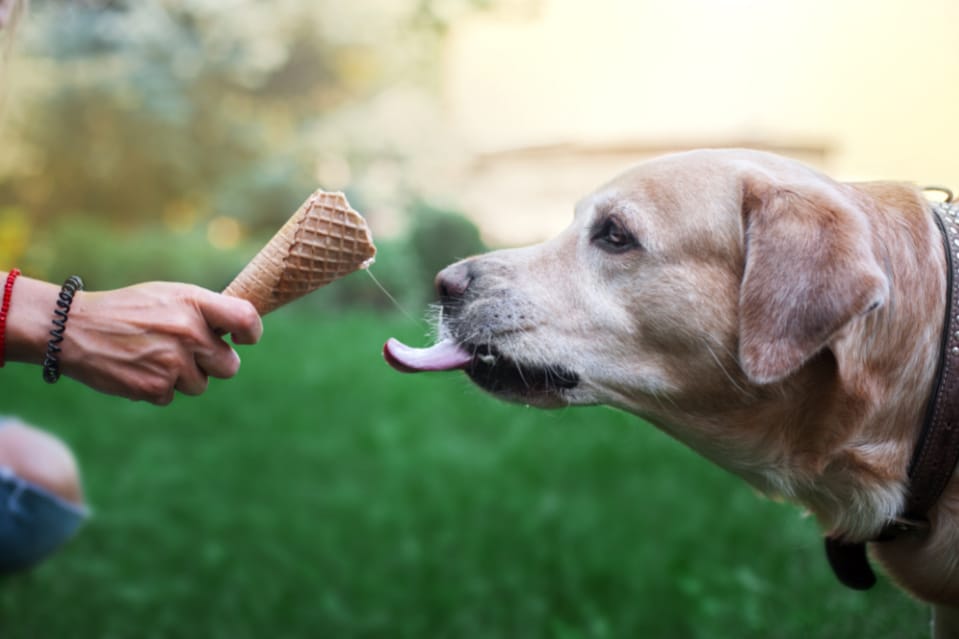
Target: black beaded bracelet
(51, 363)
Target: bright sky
(876, 81)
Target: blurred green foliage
(108, 257)
(440, 236)
(320, 494)
(137, 122)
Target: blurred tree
(190, 107)
(141, 120)
(439, 237)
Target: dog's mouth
(485, 365)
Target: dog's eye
(611, 236)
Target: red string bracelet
(4, 309)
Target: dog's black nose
(452, 281)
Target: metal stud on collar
(949, 211)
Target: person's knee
(40, 458)
(39, 477)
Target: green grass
(320, 494)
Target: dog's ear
(809, 271)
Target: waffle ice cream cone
(324, 240)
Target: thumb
(228, 314)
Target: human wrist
(28, 320)
(51, 360)
(8, 282)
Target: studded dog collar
(937, 448)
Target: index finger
(228, 314)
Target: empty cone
(324, 240)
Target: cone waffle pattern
(323, 241)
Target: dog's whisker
(722, 367)
(555, 379)
(519, 371)
(548, 379)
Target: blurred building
(552, 98)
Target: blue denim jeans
(33, 522)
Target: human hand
(148, 340)
(142, 342)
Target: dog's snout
(452, 281)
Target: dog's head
(690, 281)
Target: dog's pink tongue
(446, 355)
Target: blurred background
(321, 495)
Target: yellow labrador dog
(784, 325)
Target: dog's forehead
(596, 203)
(652, 193)
(631, 193)
(682, 201)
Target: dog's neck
(841, 443)
(885, 374)
(837, 437)
(936, 451)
